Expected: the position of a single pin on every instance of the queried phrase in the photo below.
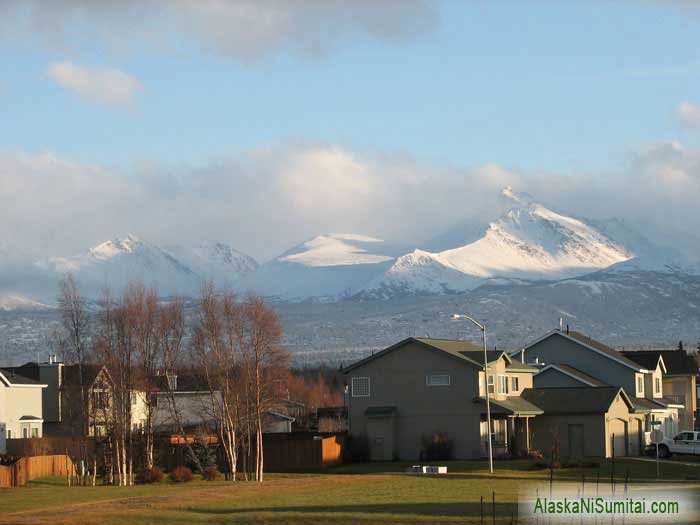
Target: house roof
(184, 383)
(514, 405)
(575, 373)
(677, 362)
(71, 374)
(666, 402)
(643, 405)
(575, 400)
(452, 348)
(30, 418)
(11, 378)
(592, 344)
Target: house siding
(558, 349)
(398, 379)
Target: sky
(262, 123)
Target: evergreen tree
(205, 453)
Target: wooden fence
(303, 451)
(28, 468)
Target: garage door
(618, 437)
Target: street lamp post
(486, 383)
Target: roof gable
(451, 348)
(574, 373)
(592, 345)
(676, 363)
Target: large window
(35, 432)
(640, 385)
(502, 384)
(360, 387)
(437, 380)
(515, 384)
(490, 385)
(657, 385)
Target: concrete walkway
(669, 461)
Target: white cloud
(267, 200)
(108, 86)
(238, 29)
(688, 114)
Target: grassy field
(358, 494)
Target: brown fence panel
(28, 468)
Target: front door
(576, 441)
(380, 434)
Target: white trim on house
(574, 340)
(566, 372)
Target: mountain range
(528, 243)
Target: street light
(458, 317)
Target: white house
(20, 407)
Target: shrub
(436, 447)
(181, 475)
(152, 475)
(535, 454)
(210, 473)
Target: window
(134, 398)
(99, 399)
(437, 380)
(657, 385)
(640, 385)
(25, 432)
(360, 387)
(35, 432)
(9, 434)
(490, 385)
(515, 384)
(502, 384)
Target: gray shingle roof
(514, 405)
(579, 375)
(573, 400)
(678, 363)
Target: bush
(436, 447)
(181, 475)
(210, 473)
(152, 475)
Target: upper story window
(515, 384)
(437, 380)
(360, 387)
(490, 384)
(640, 385)
(502, 384)
(657, 385)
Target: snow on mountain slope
(327, 267)
(113, 264)
(17, 302)
(215, 260)
(529, 242)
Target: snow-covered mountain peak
(337, 249)
(115, 247)
(517, 197)
(528, 242)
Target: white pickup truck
(682, 443)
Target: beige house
(20, 407)
(419, 388)
(570, 359)
(679, 381)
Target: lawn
(358, 494)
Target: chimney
(567, 328)
(561, 324)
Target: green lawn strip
(377, 493)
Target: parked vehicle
(685, 442)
